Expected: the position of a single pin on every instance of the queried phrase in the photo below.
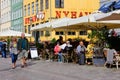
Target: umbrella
(12, 33)
(58, 23)
(114, 16)
(86, 22)
(41, 26)
(111, 21)
(90, 21)
(61, 22)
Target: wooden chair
(117, 60)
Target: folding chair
(109, 57)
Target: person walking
(81, 49)
(13, 51)
(4, 49)
(23, 49)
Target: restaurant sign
(72, 14)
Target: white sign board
(33, 52)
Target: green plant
(99, 36)
(53, 40)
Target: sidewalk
(45, 70)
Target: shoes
(22, 66)
(13, 67)
(25, 65)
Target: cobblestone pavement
(46, 70)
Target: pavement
(48, 70)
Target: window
(21, 12)
(47, 4)
(12, 16)
(41, 5)
(83, 33)
(59, 3)
(25, 29)
(25, 10)
(28, 9)
(41, 33)
(32, 7)
(28, 29)
(15, 15)
(59, 33)
(71, 33)
(47, 33)
(36, 6)
(33, 25)
(37, 24)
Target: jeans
(60, 57)
(4, 54)
(14, 57)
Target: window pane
(41, 33)
(47, 4)
(61, 33)
(69, 33)
(36, 6)
(32, 7)
(83, 33)
(29, 29)
(28, 9)
(73, 33)
(57, 3)
(25, 10)
(62, 4)
(41, 5)
(56, 33)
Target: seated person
(68, 47)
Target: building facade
(0, 15)
(40, 11)
(17, 15)
(5, 15)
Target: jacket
(57, 49)
(19, 47)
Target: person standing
(13, 51)
(23, 49)
(81, 49)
